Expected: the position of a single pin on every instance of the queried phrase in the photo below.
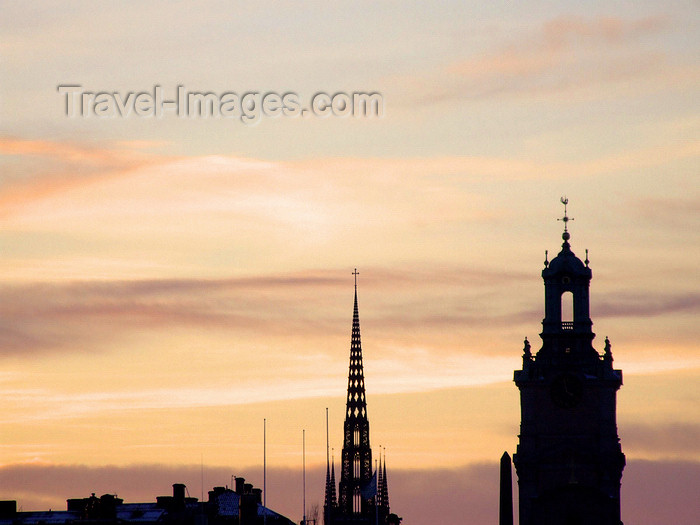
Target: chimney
(179, 496)
(258, 496)
(8, 509)
(247, 510)
(240, 482)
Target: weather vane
(565, 218)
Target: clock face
(566, 390)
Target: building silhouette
(241, 505)
(569, 460)
(363, 495)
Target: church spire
(356, 403)
(356, 464)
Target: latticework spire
(356, 403)
(357, 455)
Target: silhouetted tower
(569, 461)
(357, 455)
(359, 490)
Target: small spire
(328, 503)
(546, 258)
(385, 487)
(565, 219)
(356, 273)
(334, 499)
(586, 261)
(379, 498)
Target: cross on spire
(356, 273)
(565, 219)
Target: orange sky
(168, 283)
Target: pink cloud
(569, 55)
(47, 167)
(45, 316)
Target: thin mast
(265, 469)
(328, 450)
(303, 456)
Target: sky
(169, 282)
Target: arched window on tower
(356, 466)
(357, 436)
(567, 311)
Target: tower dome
(566, 262)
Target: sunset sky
(168, 283)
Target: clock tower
(569, 461)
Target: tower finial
(565, 219)
(356, 273)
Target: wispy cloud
(570, 56)
(681, 212)
(36, 169)
(52, 316)
(647, 305)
